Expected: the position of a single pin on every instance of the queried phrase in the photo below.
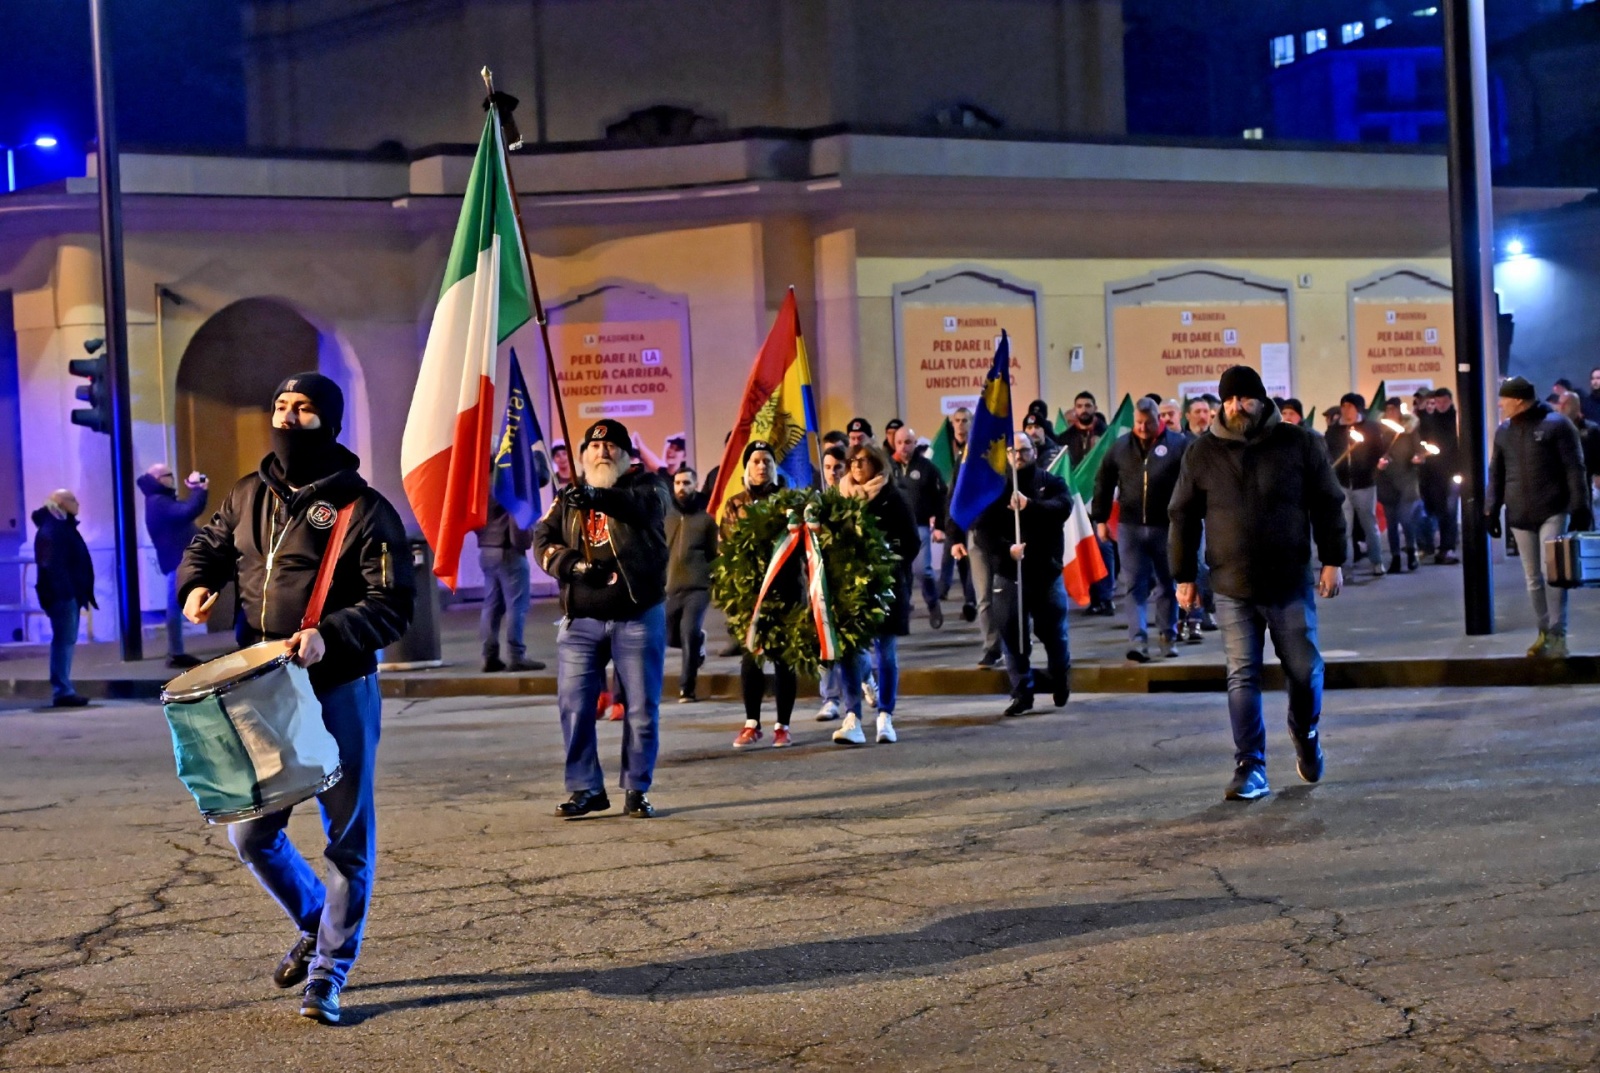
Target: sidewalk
(1399, 630)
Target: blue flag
(983, 476)
(522, 460)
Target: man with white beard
(604, 539)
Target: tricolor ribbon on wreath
(800, 535)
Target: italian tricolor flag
(1082, 563)
(446, 453)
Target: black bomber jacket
(637, 508)
(270, 539)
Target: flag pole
(1016, 517)
(539, 314)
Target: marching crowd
(1231, 513)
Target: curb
(951, 681)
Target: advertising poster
(1181, 350)
(1404, 345)
(948, 351)
(629, 370)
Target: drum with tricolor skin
(248, 735)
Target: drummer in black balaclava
(270, 536)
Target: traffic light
(97, 392)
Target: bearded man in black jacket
(270, 537)
(1260, 489)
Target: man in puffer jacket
(1537, 474)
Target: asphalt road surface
(1065, 891)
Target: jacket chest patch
(321, 515)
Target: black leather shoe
(583, 802)
(292, 969)
(635, 804)
(320, 1002)
(969, 612)
(936, 617)
(525, 665)
(70, 700)
(1019, 706)
(1308, 757)
(1061, 696)
(492, 665)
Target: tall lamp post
(44, 141)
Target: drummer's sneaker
(320, 1002)
(292, 969)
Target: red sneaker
(780, 737)
(617, 712)
(747, 736)
(603, 705)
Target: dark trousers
(333, 908)
(1044, 606)
(949, 568)
(686, 622)
(1293, 626)
(63, 642)
(753, 684)
(1441, 496)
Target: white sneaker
(869, 691)
(886, 734)
(829, 712)
(849, 732)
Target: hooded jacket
(1355, 465)
(634, 512)
(66, 572)
(170, 522)
(691, 544)
(1140, 478)
(1399, 479)
(270, 538)
(1537, 470)
(1259, 498)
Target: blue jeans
(923, 567)
(885, 651)
(174, 617)
(505, 586)
(333, 908)
(638, 649)
(832, 682)
(1402, 512)
(63, 640)
(1145, 565)
(1293, 625)
(1530, 547)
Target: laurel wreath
(856, 557)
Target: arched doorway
(225, 383)
(224, 394)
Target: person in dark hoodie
(1260, 489)
(1356, 446)
(170, 524)
(270, 536)
(691, 548)
(760, 481)
(65, 586)
(1537, 474)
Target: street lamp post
(44, 141)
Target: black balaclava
(307, 454)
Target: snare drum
(248, 735)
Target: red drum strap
(319, 593)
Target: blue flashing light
(45, 141)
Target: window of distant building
(1282, 50)
(1254, 134)
(1316, 41)
(1352, 31)
(1381, 21)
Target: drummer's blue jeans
(334, 908)
(638, 649)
